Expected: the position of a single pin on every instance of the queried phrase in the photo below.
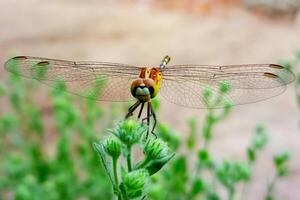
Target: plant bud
(156, 149)
(112, 147)
(134, 183)
(129, 132)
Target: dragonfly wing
(184, 84)
(93, 80)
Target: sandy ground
(139, 34)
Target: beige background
(141, 34)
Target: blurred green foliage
(30, 168)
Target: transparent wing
(185, 84)
(93, 80)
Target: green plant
(136, 176)
(36, 161)
(280, 162)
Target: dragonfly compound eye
(151, 90)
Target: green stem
(271, 186)
(231, 192)
(244, 183)
(243, 190)
(129, 164)
(115, 171)
(207, 138)
(205, 145)
(115, 167)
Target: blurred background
(142, 32)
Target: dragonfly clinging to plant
(179, 84)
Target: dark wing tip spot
(20, 58)
(43, 63)
(275, 66)
(270, 75)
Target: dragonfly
(179, 84)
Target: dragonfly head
(144, 89)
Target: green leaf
(179, 166)
(156, 165)
(197, 187)
(232, 172)
(203, 155)
(260, 138)
(281, 159)
(104, 159)
(282, 170)
(280, 162)
(251, 154)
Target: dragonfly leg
(154, 118)
(148, 119)
(132, 109)
(150, 113)
(141, 110)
